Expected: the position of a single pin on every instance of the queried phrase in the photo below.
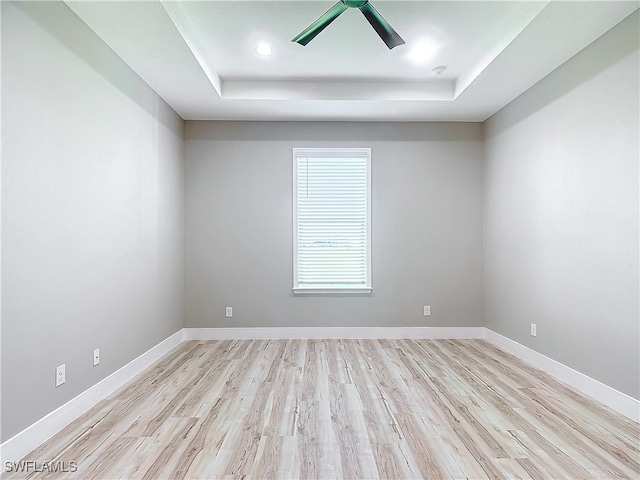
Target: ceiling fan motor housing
(355, 3)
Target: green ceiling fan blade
(380, 25)
(316, 27)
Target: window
(332, 220)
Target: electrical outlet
(427, 310)
(228, 312)
(60, 375)
(96, 357)
(534, 329)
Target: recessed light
(422, 52)
(263, 50)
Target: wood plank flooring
(348, 409)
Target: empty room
(337, 239)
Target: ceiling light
(263, 50)
(422, 52)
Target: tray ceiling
(200, 55)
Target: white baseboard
(331, 332)
(612, 398)
(24, 442)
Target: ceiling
(200, 55)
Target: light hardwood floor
(350, 409)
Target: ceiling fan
(379, 24)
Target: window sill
(332, 291)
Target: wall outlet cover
(61, 374)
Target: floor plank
(342, 409)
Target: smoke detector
(438, 71)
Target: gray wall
(92, 203)
(561, 213)
(426, 225)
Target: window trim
(367, 288)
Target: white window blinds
(332, 232)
